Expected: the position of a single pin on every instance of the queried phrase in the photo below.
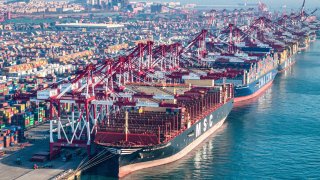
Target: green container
(38, 117)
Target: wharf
(39, 142)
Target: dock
(38, 142)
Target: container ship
(251, 71)
(286, 45)
(286, 55)
(304, 41)
(173, 121)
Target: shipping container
(1, 145)
(46, 94)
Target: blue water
(275, 136)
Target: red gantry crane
(102, 89)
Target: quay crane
(101, 89)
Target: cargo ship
(149, 134)
(286, 63)
(286, 46)
(255, 86)
(251, 71)
(304, 41)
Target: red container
(12, 139)
(1, 144)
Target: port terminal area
(30, 159)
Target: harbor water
(274, 136)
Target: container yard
(28, 157)
(135, 90)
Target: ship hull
(124, 161)
(256, 87)
(286, 64)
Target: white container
(46, 94)
(190, 77)
(74, 86)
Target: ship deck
(147, 126)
